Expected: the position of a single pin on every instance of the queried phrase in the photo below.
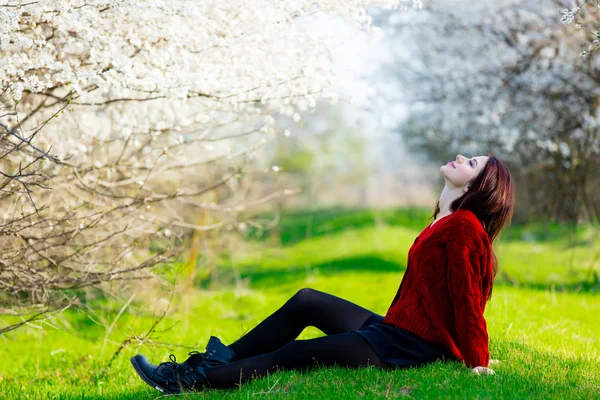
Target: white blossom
(149, 105)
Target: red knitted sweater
(442, 295)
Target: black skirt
(397, 347)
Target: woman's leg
(308, 307)
(343, 349)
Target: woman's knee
(306, 296)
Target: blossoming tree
(122, 121)
(505, 76)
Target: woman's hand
(482, 370)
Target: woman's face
(463, 170)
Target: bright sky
(376, 103)
(357, 57)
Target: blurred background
(192, 165)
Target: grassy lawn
(542, 319)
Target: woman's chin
(444, 175)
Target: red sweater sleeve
(466, 257)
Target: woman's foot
(170, 377)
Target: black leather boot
(170, 377)
(216, 354)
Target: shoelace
(196, 360)
(170, 369)
(173, 367)
(172, 362)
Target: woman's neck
(449, 194)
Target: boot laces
(195, 357)
(172, 363)
(171, 368)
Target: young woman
(437, 313)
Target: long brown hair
(491, 198)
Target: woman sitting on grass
(437, 313)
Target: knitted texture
(442, 295)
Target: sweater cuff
(481, 359)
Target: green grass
(542, 321)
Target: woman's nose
(459, 158)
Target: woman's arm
(467, 263)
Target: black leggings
(270, 346)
